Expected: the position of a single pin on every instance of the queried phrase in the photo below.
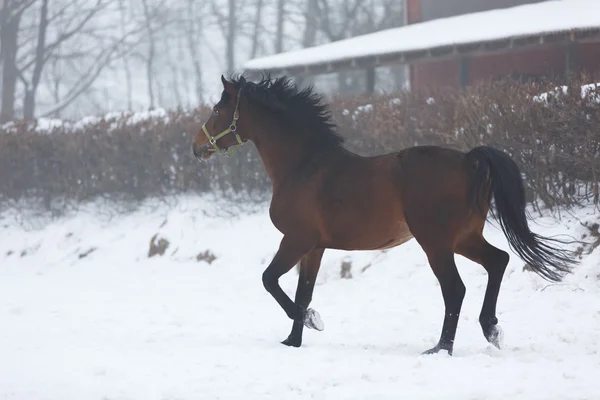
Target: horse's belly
(402, 237)
(374, 238)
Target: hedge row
(555, 138)
(553, 132)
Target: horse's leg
(289, 253)
(494, 260)
(453, 291)
(309, 268)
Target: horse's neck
(281, 154)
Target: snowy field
(85, 314)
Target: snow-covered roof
(510, 27)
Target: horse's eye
(216, 112)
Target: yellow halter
(232, 128)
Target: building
(454, 43)
(538, 58)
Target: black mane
(301, 108)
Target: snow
(532, 19)
(590, 90)
(159, 113)
(123, 118)
(87, 315)
(48, 124)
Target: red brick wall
(413, 11)
(435, 74)
(587, 57)
(549, 62)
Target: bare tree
(45, 50)
(256, 28)
(126, 62)
(40, 59)
(337, 20)
(30, 48)
(280, 23)
(231, 33)
(54, 52)
(193, 34)
(228, 26)
(151, 52)
(311, 16)
(88, 76)
(11, 14)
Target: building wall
(413, 11)
(435, 74)
(587, 57)
(548, 62)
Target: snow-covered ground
(85, 314)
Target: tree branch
(86, 81)
(65, 36)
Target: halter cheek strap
(232, 128)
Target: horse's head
(220, 132)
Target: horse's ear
(224, 80)
(242, 80)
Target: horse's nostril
(199, 151)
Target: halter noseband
(232, 128)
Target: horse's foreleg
(289, 253)
(309, 268)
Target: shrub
(554, 138)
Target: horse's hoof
(495, 336)
(436, 350)
(312, 320)
(292, 342)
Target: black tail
(496, 169)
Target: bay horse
(325, 196)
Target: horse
(326, 197)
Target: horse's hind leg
(494, 260)
(453, 292)
(309, 268)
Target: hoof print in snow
(346, 270)
(157, 246)
(87, 252)
(9, 253)
(30, 250)
(206, 256)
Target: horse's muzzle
(200, 152)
